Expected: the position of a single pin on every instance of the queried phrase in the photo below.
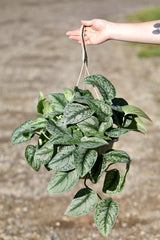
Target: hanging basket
(76, 133)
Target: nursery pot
(103, 149)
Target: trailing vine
(75, 137)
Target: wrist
(111, 30)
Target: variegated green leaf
(105, 215)
(84, 201)
(62, 181)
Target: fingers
(75, 38)
(74, 35)
(75, 32)
(78, 38)
(87, 23)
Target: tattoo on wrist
(157, 28)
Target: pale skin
(98, 31)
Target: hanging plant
(76, 133)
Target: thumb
(87, 23)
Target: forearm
(146, 32)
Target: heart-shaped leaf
(92, 142)
(84, 201)
(55, 130)
(39, 122)
(45, 153)
(63, 160)
(134, 123)
(117, 132)
(85, 93)
(102, 110)
(62, 181)
(43, 106)
(58, 102)
(84, 160)
(105, 87)
(69, 94)
(105, 125)
(105, 215)
(75, 113)
(113, 182)
(89, 124)
(23, 133)
(116, 156)
(129, 109)
(29, 154)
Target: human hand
(96, 32)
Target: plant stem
(108, 166)
(45, 135)
(85, 184)
(38, 134)
(85, 180)
(99, 196)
